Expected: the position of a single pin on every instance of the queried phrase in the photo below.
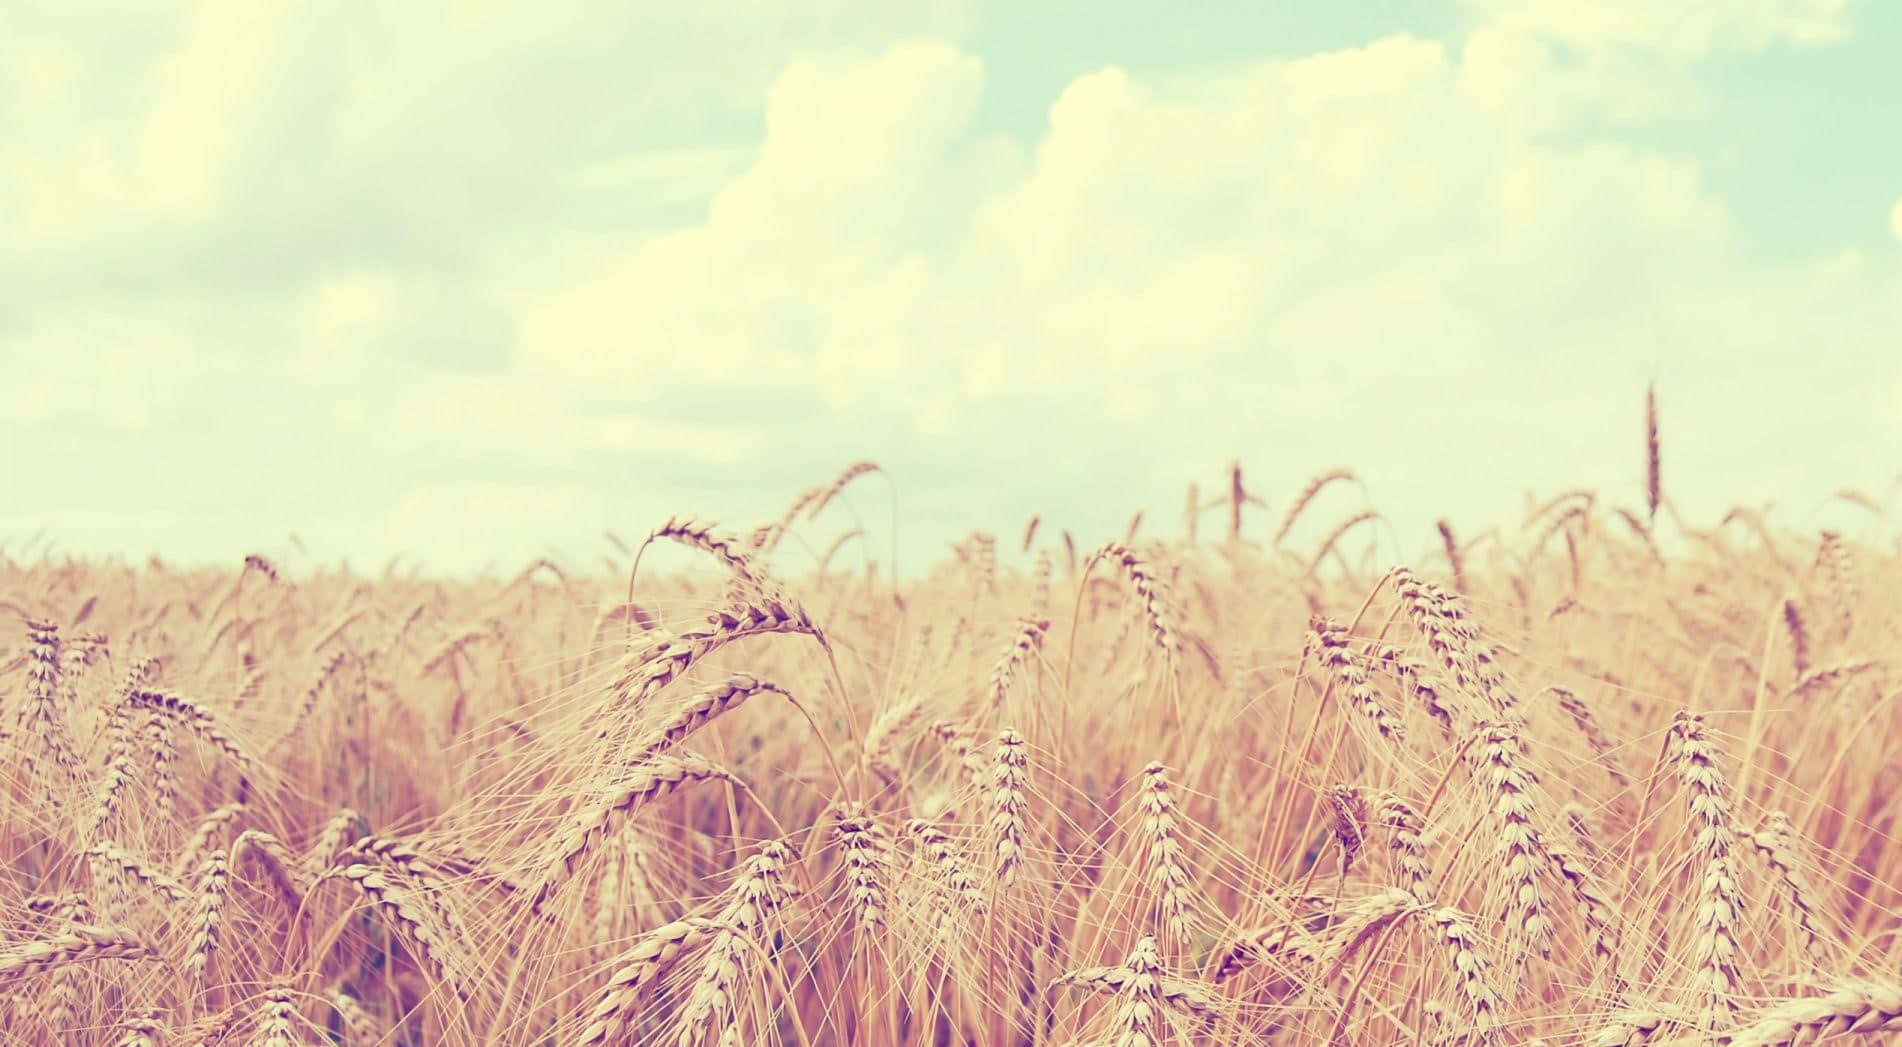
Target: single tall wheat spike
(984, 561)
(1653, 490)
(1008, 804)
(43, 679)
(867, 859)
(1164, 865)
(1508, 787)
(1838, 568)
(208, 913)
(1799, 636)
(1714, 950)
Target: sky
(471, 288)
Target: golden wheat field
(1608, 777)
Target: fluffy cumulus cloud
(494, 281)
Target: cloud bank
(475, 292)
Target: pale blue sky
(476, 290)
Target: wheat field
(1607, 777)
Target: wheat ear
(647, 782)
(652, 955)
(1521, 850)
(1028, 641)
(1330, 643)
(1852, 1007)
(752, 899)
(1775, 840)
(867, 860)
(1163, 861)
(1008, 804)
(1715, 950)
(78, 944)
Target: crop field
(1605, 775)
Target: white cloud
(807, 253)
